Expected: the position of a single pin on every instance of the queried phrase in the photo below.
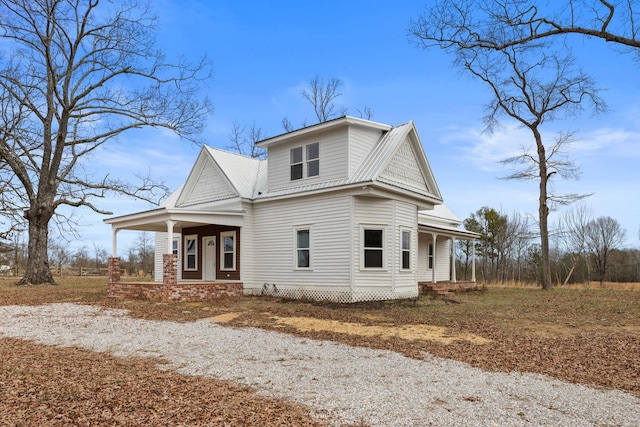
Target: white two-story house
(347, 210)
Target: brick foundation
(179, 292)
(169, 289)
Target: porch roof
(448, 231)
(156, 219)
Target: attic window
(305, 161)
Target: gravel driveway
(345, 384)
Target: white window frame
(223, 251)
(404, 250)
(304, 162)
(363, 249)
(296, 248)
(300, 163)
(187, 238)
(175, 246)
(308, 160)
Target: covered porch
(189, 266)
(437, 256)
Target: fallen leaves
(41, 385)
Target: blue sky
(264, 53)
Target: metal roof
(242, 171)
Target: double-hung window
(305, 161)
(296, 163)
(228, 250)
(191, 252)
(313, 159)
(373, 248)
(405, 250)
(303, 248)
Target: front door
(209, 262)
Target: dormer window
(305, 160)
(313, 159)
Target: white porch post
(435, 251)
(453, 259)
(473, 260)
(114, 241)
(170, 225)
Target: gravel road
(340, 383)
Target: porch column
(170, 225)
(169, 269)
(114, 269)
(114, 241)
(473, 260)
(435, 251)
(453, 259)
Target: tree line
(583, 248)
(87, 259)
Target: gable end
(206, 183)
(404, 171)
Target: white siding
(274, 244)
(424, 272)
(406, 218)
(333, 160)
(375, 213)
(161, 249)
(247, 270)
(443, 258)
(361, 142)
(392, 216)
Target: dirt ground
(577, 335)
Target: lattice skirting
(336, 294)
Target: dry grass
(627, 286)
(589, 336)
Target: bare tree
(499, 24)
(604, 234)
(243, 140)
(79, 73)
(145, 251)
(321, 93)
(572, 234)
(531, 85)
(59, 253)
(366, 113)
(100, 255)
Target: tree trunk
(543, 212)
(38, 271)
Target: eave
(340, 121)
